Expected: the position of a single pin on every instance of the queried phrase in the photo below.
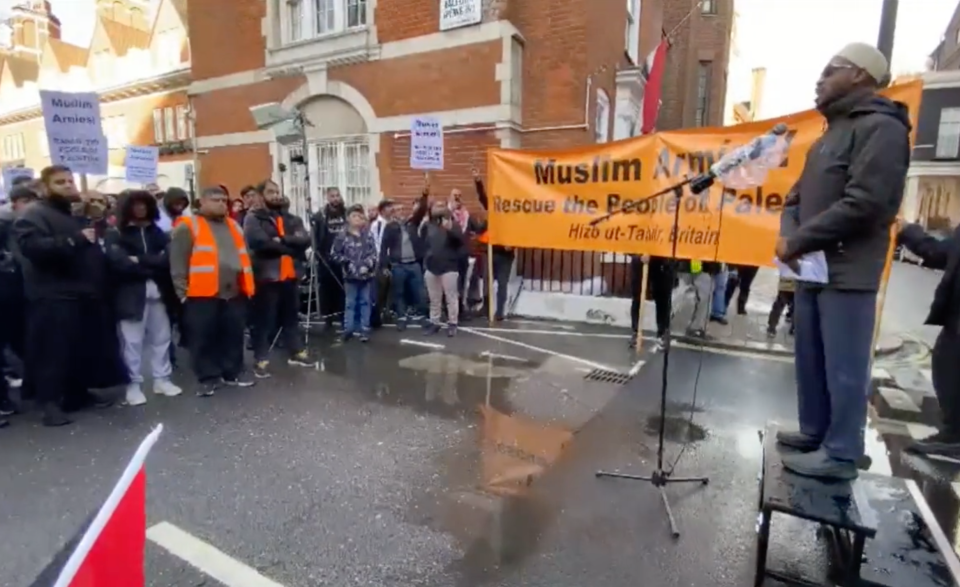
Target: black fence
(587, 273)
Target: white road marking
(429, 345)
(542, 324)
(536, 348)
(636, 367)
(504, 357)
(555, 333)
(206, 558)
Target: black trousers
(502, 266)
(215, 337)
(71, 347)
(276, 305)
(660, 290)
(745, 276)
(784, 301)
(331, 290)
(945, 370)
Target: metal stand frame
(661, 478)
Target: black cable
(701, 349)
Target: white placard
(76, 115)
(81, 155)
(426, 143)
(142, 164)
(12, 174)
(460, 13)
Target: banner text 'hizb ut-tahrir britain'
(546, 199)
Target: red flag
(653, 70)
(110, 549)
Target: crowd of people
(103, 288)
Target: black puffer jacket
(850, 190)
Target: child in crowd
(356, 251)
(784, 299)
(444, 243)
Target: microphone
(738, 158)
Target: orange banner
(546, 199)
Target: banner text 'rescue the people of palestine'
(546, 199)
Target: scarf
(461, 217)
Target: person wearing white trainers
(145, 298)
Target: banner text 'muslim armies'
(600, 170)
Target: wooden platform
(881, 531)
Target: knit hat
(867, 58)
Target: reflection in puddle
(676, 429)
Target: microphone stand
(659, 477)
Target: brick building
(695, 83)
(138, 61)
(361, 70)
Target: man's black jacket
(850, 190)
(939, 254)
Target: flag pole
(103, 515)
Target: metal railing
(586, 273)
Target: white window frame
(170, 124)
(183, 124)
(601, 123)
(158, 126)
(948, 134)
(343, 163)
(300, 19)
(632, 33)
(709, 7)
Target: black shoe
(261, 370)
(451, 330)
(940, 443)
(820, 465)
(798, 440)
(498, 318)
(771, 332)
(54, 417)
(741, 309)
(401, 325)
(207, 390)
(238, 381)
(301, 359)
(345, 336)
(699, 335)
(430, 329)
(633, 340)
(719, 320)
(364, 337)
(7, 408)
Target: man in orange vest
(213, 277)
(278, 245)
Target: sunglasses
(833, 68)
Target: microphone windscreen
(779, 129)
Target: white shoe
(166, 387)
(135, 395)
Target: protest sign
(142, 163)
(426, 143)
(81, 155)
(546, 199)
(11, 174)
(76, 115)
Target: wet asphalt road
(379, 469)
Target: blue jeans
(834, 336)
(406, 284)
(356, 314)
(718, 305)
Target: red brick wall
(698, 38)
(225, 36)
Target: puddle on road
(483, 493)
(676, 429)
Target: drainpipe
(888, 28)
(192, 120)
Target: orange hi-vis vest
(484, 237)
(204, 277)
(287, 269)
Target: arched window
(601, 125)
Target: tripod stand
(661, 478)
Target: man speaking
(843, 204)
